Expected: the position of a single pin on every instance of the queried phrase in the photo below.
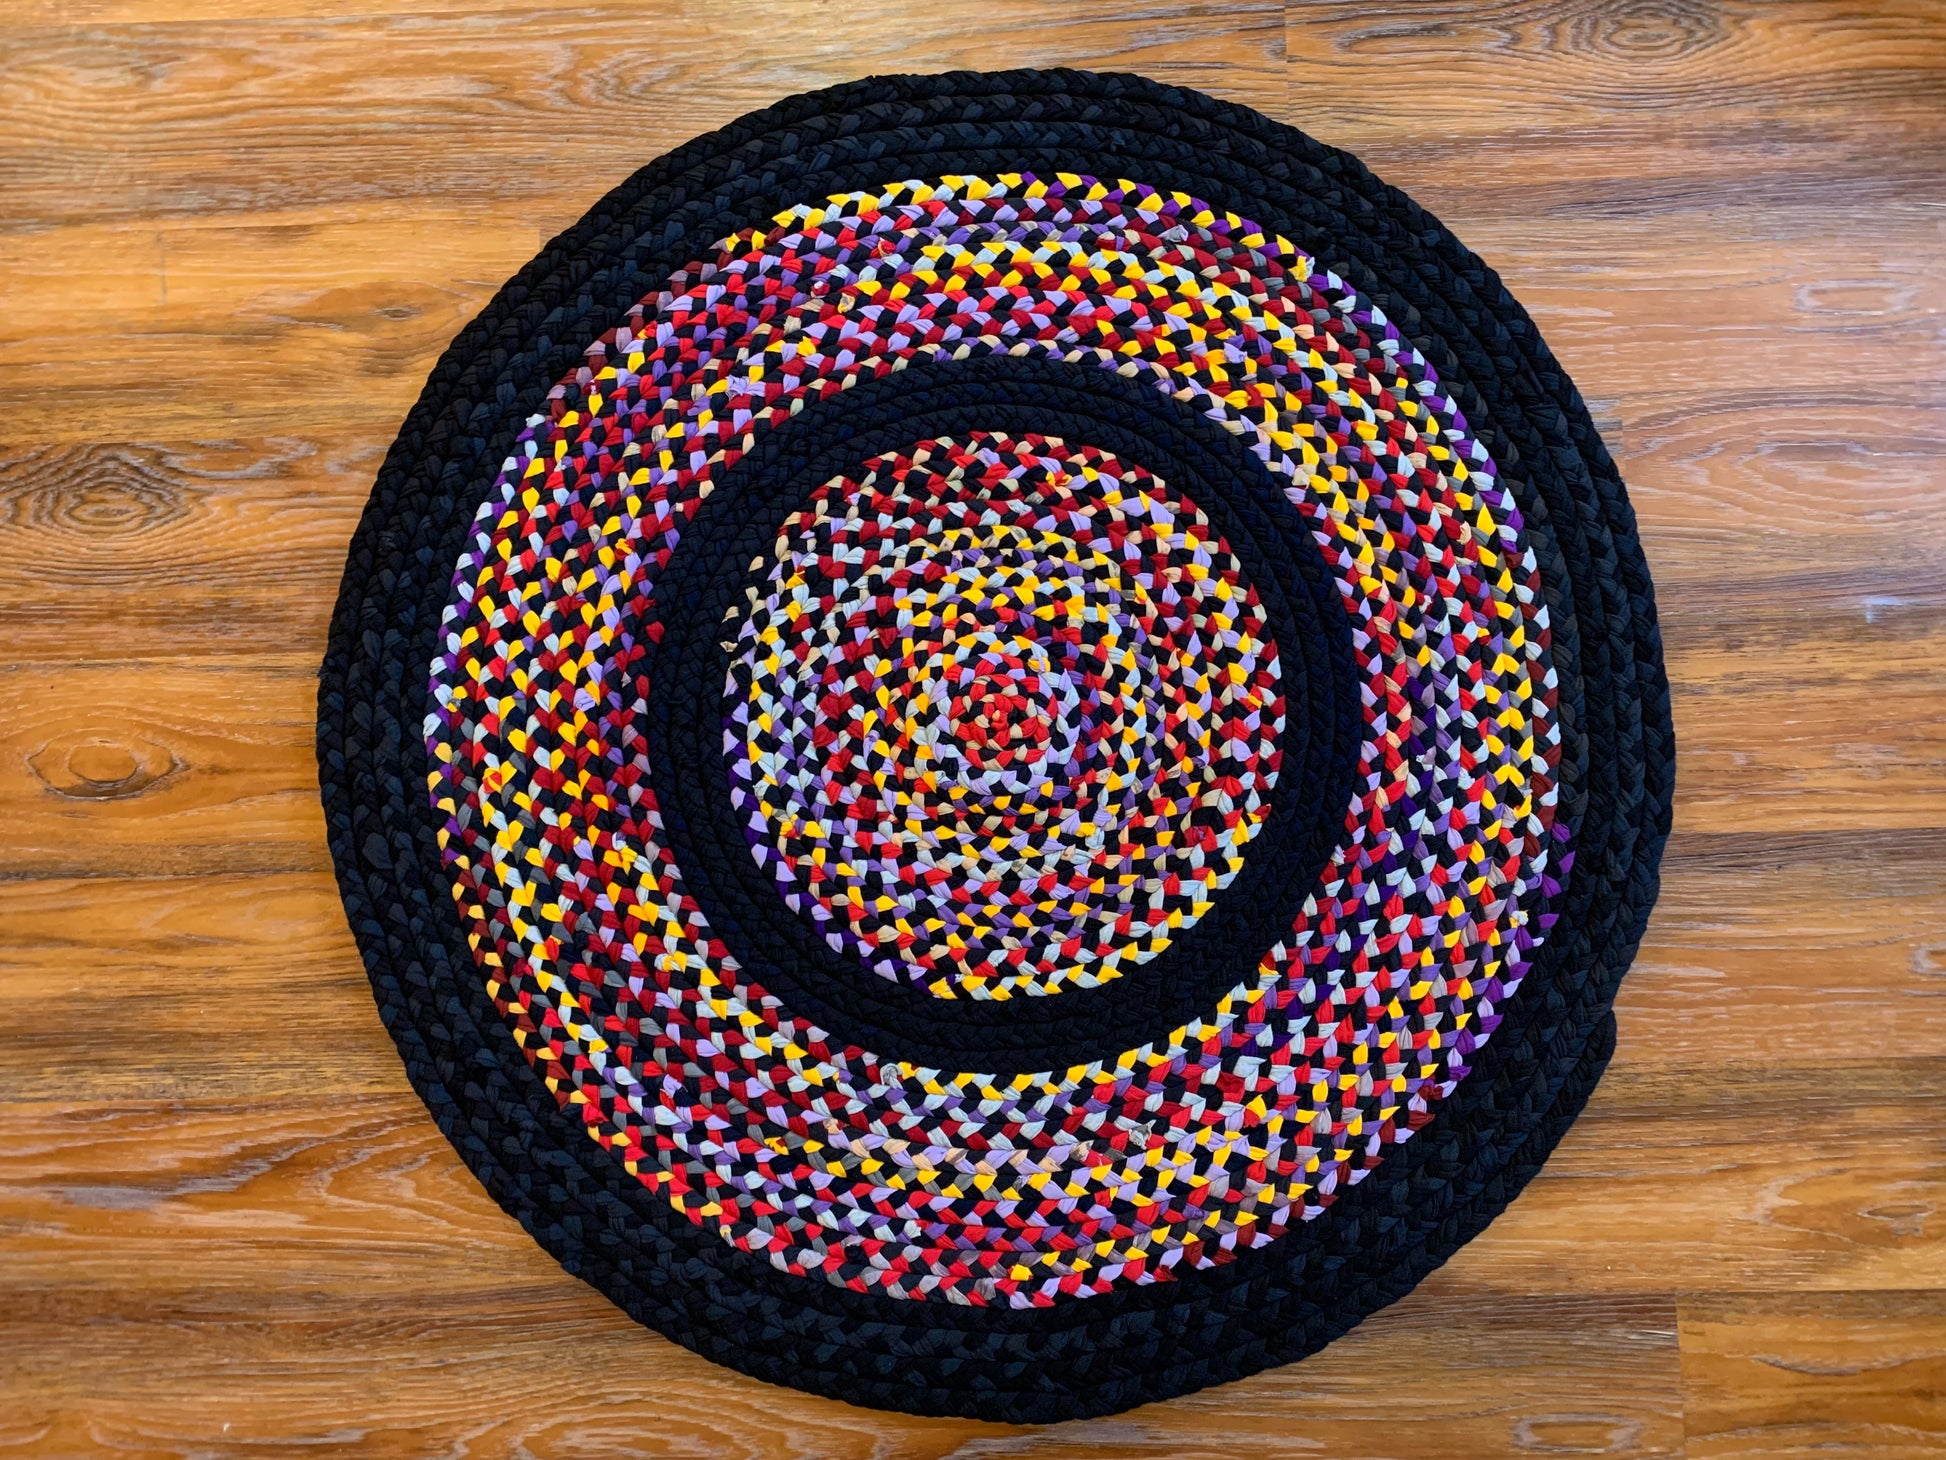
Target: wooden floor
(233, 236)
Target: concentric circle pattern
(1035, 777)
(1008, 715)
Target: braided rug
(995, 744)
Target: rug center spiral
(999, 717)
(1003, 716)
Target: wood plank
(276, 326)
(159, 769)
(236, 1225)
(1812, 1377)
(211, 116)
(1544, 70)
(147, 13)
(226, 550)
(1731, 1178)
(1834, 753)
(1832, 944)
(195, 984)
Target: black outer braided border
(1098, 1355)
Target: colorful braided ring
(996, 742)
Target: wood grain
(234, 234)
(1839, 1374)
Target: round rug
(995, 744)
